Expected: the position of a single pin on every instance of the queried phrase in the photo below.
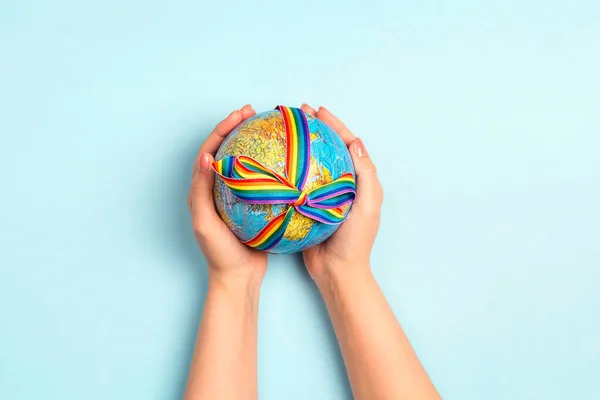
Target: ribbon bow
(254, 183)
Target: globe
(263, 138)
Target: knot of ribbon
(253, 183)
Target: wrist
(340, 273)
(235, 282)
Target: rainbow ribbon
(254, 183)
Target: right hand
(350, 246)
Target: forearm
(224, 361)
(380, 361)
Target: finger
(369, 194)
(216, 137)
(202, 206)
(212, 143)
(326, 116)
(308, 109)
(247, 112)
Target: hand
(350, 246)
(229, 260)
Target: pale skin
(380, 361)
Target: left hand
(230, 262)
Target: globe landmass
(263, 138)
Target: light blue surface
(483, 118)
(328, 151)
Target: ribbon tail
(253, 183)
(272, 233)
(324, 204)
(334, 194)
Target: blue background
(482, 116)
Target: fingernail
(203, 163)
(247, 105)
(359, 148)
(321, 108)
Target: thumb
(201, 201)
(369, 194)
